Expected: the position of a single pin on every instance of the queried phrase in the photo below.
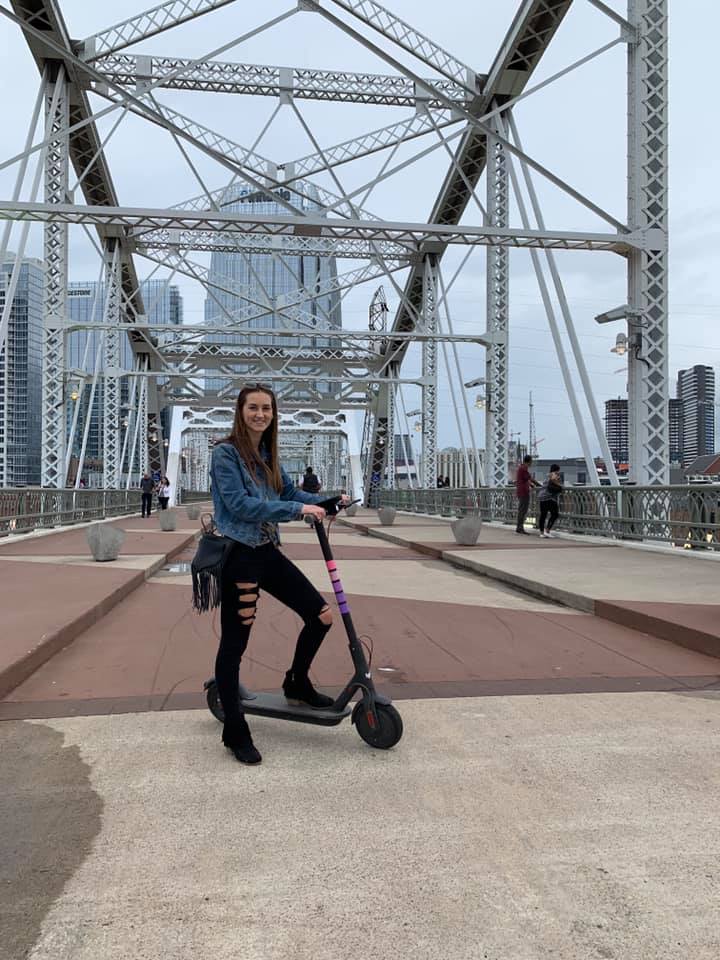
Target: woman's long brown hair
(240, 439)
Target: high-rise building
(259, 278)
(616, 429)
(86, 300)
(696, 393)
(675, 431)
(21, 376)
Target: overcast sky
(575, 126)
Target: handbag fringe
(207, 588)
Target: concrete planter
(351, 511)
(168, 520)
(193, 511)
(466, 530)
(387, 516)
(104, 541)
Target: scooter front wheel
(388, 729)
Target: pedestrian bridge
(560, 752)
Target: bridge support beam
(55, 242)
(647, 269)
(111, 393)
(497, 294)
(429, 372)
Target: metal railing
(192, 496)
(685, 516)
(33, 508)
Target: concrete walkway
(554, 794)
(505, 828)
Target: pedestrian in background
(523, 484)
(147, 486)
(163, 492)
(549, 499)
(310, 483)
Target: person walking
(523, 484)
(549, 499)
(163, 492)
(251, 494)
(147, 485)
(310, 483)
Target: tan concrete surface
(606, 572)
(336, 539)
(410, 580)
(612, 573)
(506, 828)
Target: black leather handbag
(207, 565)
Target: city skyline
(591, 287)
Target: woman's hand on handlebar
(313, 510)
(345, 500)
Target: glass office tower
(696, 392)
(21, 376)
(262, 278)
(86, 300)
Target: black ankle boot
(238, 740)
(300, 688)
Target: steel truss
(356, 368)
(413, 235)
(264, 81)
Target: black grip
(330, 506)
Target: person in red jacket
(523, 484)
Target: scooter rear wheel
(388, 731)
(213, 702)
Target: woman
(251, 495)
(163, 492)
(549, 497)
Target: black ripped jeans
(246, 572)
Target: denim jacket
(242, 504)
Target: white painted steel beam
(111, 368)
(648, 212)
(176, 73)
(406, 36)
(178, 241)
(55, 236)
(497, 312)
(318, 226)
(147, 24)
(430, 372)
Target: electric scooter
(375, 718)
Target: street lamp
(481, 402)
(621, 345)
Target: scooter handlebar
(332, 506)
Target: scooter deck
(275, 705)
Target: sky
(575, 127)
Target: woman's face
(257, 413)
